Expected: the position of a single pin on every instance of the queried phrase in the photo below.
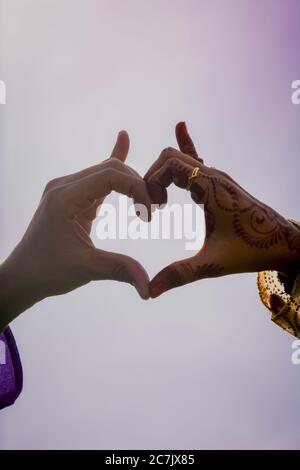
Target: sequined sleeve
(11, 374)
(282, 297)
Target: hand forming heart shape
(242, 233)
(56, 254)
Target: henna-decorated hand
(56, 254)
(242, 233)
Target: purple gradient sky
(102, 368)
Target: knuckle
(108, 172)
(167, 152)
(171, 164)
(51, 198)
(115, 164)
(172, 161)
(140, 189)
(222, 173)
(110, 177)
(51, 184)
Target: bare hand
(56, 254)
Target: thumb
(183, 272)
(174, 275)
(185, 141)
(120, 152)
(117, 267)
(121, 148)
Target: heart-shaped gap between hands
(191, 224)
(175, 231)
(174, 167)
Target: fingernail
(183, 126)
(144, 215)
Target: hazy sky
(202, 366)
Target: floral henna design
(293, 239)
(210, 223)
(173, 170)
(182, 274)
(224, 194)
(201, 195)
(260, 227)
(257, 225)
(208, 270)
(180, 171)
(190, 272)
(247, 234)
(230, 213)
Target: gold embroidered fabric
(284, 303)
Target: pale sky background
(201, 367)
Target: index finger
(170, 153)
(185, 141)
(79, 194)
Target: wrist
(287, 259)
(17, 290)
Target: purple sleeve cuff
(11, 374)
